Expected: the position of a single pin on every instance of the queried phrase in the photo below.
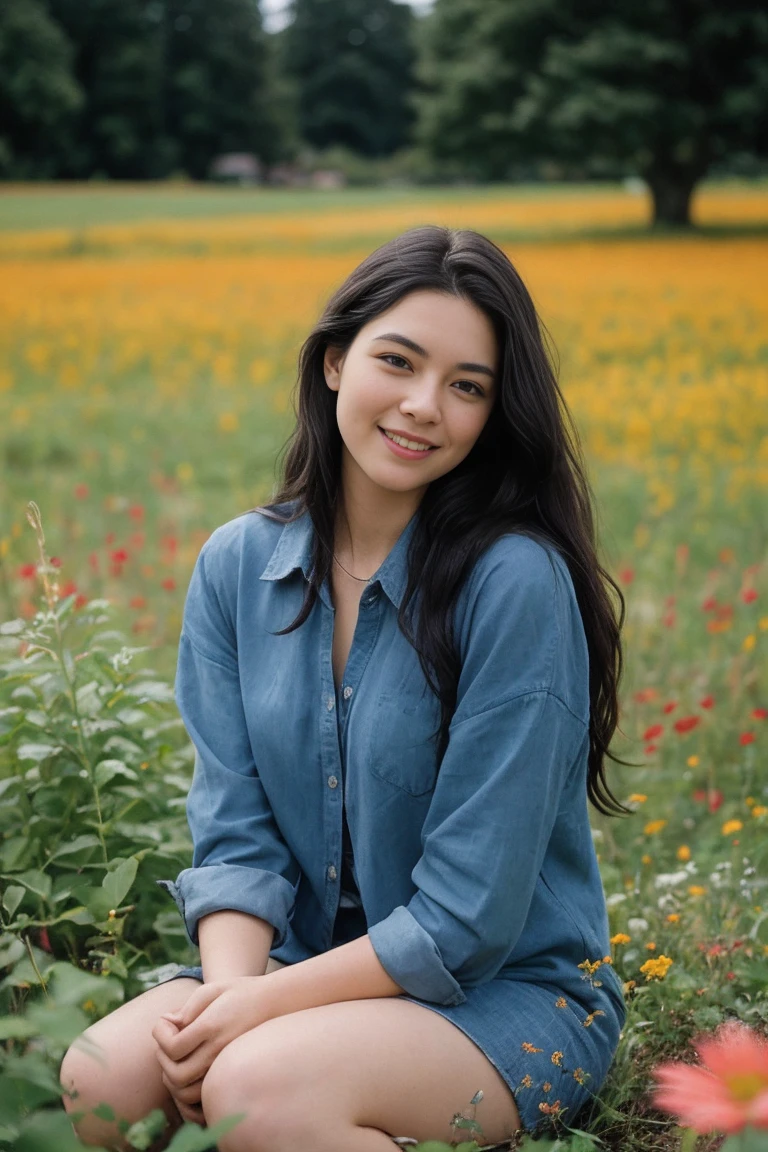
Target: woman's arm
(233, 944)
(242, 885)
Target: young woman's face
(425, 370)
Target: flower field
(146, 375)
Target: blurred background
(183, 184)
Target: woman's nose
(423, 400)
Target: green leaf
(12, 627)
(12, 898)
(192, 1138)
(96, 900)
(44, 1131)
(117, 883)
(106, 770)
(88, 840)
(17, 1028)
(144, 1132)
(57, 1023)
(73, 986)
(34, 881)
(37, 752)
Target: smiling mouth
(423, 449)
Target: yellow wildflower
(692, 761)
(696, 890)
(651, 946)
(638, 798)
(749, 642)
(620, 938)
(683, 852)
(759, 810)
(580, 1075)
(526, 1047)
(561, 1002)
(557, 1058)
(673, 917)
(656, 969)
(526, 1081)
(732, 826)
(654, 826)
(588, 1020)
(646, 859)
(546, 1086)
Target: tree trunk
(672, 190)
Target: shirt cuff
(232, 887)
(410, 956)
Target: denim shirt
(484, 869)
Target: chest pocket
(402, 752)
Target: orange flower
(729, 1093)
(526, 1047)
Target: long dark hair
(523, 474)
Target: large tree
(39, 96)
(352, 63)
(664, 89)
(218, 96)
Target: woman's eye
(478, 389)
(388, 356)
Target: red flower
(650, 749)
(136, 512)
(43, 940)
(119, 556)
(81, 491)
(137, 602)
(28, 571)
(668, 620)
(714, 799)
(685, 723)
(55, 562)
(748, 595)
(759, 713)
(709, 604)
(69, 588)
(728, 1092)
(93, 560)
(707, 702)
(747, 738)
(626, 575)
(670, 707)
(80, 600)
(109, 538)
(646, 694)
(169, 583)
(652, 732)
(699, 794)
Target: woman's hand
(190, 1039)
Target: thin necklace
(363, 579)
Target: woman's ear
(333, 362)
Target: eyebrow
(417, 348)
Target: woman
(401, 680)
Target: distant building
(237, 168)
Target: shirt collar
(294, 550)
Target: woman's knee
(114, 1062)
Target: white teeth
(406, 443)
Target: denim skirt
(553, 1053)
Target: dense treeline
(485, 89)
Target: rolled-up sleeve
(240, 860)
(497, 794)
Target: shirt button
(348, 692)
(332, 782)
(329, 704)
(331, 873)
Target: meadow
(148, 345)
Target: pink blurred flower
(728, 1093)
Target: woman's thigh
(386, 1063)
(114, 1062)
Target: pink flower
(726, 1095)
